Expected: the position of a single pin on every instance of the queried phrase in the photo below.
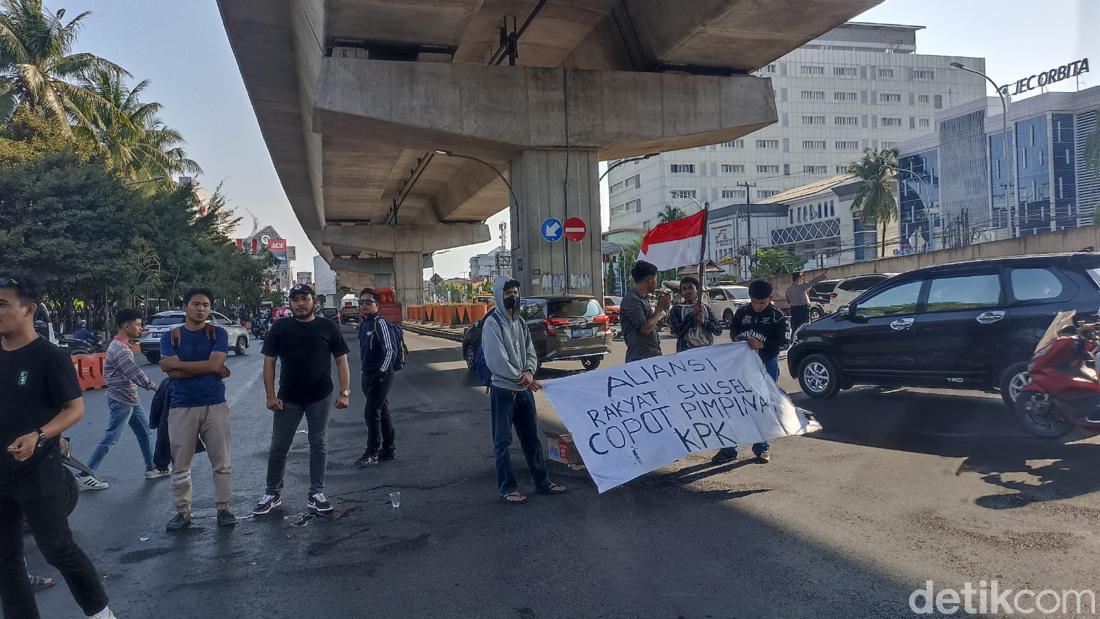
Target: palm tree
(134, 142)
(37, 66)
(670, 213)
(876, 197)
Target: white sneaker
(103, 614)
(92, 483)
(157, 473)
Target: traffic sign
(551, 230)
(575, 229)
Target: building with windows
(492, 264)
(815, 221)
(858, 86)
(963, 184)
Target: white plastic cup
(395, 499)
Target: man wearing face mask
(510, 356)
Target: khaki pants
(185, 426)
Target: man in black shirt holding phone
(42, 398)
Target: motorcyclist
(82, 333)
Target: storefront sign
(1046, 78)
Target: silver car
(166, 321)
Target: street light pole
(1013, 208)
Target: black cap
(302, 289)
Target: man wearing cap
(305, 346)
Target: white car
(166, 321)
(724, 300)
(849, 288)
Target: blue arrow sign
(552, 230)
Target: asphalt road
(899, 488)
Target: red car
(611, 308)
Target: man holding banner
(510, 355)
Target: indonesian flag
(675, 244)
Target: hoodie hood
(498, 291)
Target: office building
(856, 87)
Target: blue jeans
(516, 408)
(771, 364)
(122, 415)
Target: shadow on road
(978, 428)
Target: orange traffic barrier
(478, 311)
(445, 313)
(90, 371)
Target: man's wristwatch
(346, 393)
(41, 439)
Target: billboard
(277, 246)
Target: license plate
(583, 333)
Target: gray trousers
(284, 425)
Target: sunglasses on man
(367, 302)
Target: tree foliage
(774, 261)
(670, 213)
(876, 198)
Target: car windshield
(166, 320)
(573, 308)
(740, 293)
(824, 287)
(612, 300)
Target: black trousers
(376, 412)
(39, 496)
(800, 315)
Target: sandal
(514, 498)
(554, 488)
(40, 583)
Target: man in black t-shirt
(305, 345)
(42, 399)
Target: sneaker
(763, 458)
(92, 483)
(366, 461)
(386, 456)
(226, 518)
(319, 503)
(724, 455)
(179, 521)
(157, 473)
(266, 503)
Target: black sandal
(554, 488)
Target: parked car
(820, 294)
(563, 328)
(847, 289)
(611, 308)
(724, 300)
(166, 321)
(331, 313)
(967, 325)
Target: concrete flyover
(388, 121)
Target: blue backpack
(398, 335)
(485, 377)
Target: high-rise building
(962, 185)
(856, 87)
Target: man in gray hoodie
(510, 355)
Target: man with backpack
(382, 349)
(510, 357)
(193, 356)
(305, 346)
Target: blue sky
(180, 46)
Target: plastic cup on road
(395, 499)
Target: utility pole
(748, 222)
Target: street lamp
(1004, 140)
(622, 161)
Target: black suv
(970, 325)
(566, 327)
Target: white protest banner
(634, 418)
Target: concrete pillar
(408, 278)
(556, 184)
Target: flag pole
(703, 248)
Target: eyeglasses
(8, 281)
(367, 302)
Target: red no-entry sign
(575, 229)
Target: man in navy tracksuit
(766, 330)
(378, 351)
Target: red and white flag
(676, 243)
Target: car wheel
(727, 316)
(591, 363)
(470, 355)
(1037, 414)
(816, 313)
(152, 357)
(1013, 379)
(818, 377)
(242, 345)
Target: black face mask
(510, 303)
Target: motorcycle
(1063, 394)
(259, 329)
